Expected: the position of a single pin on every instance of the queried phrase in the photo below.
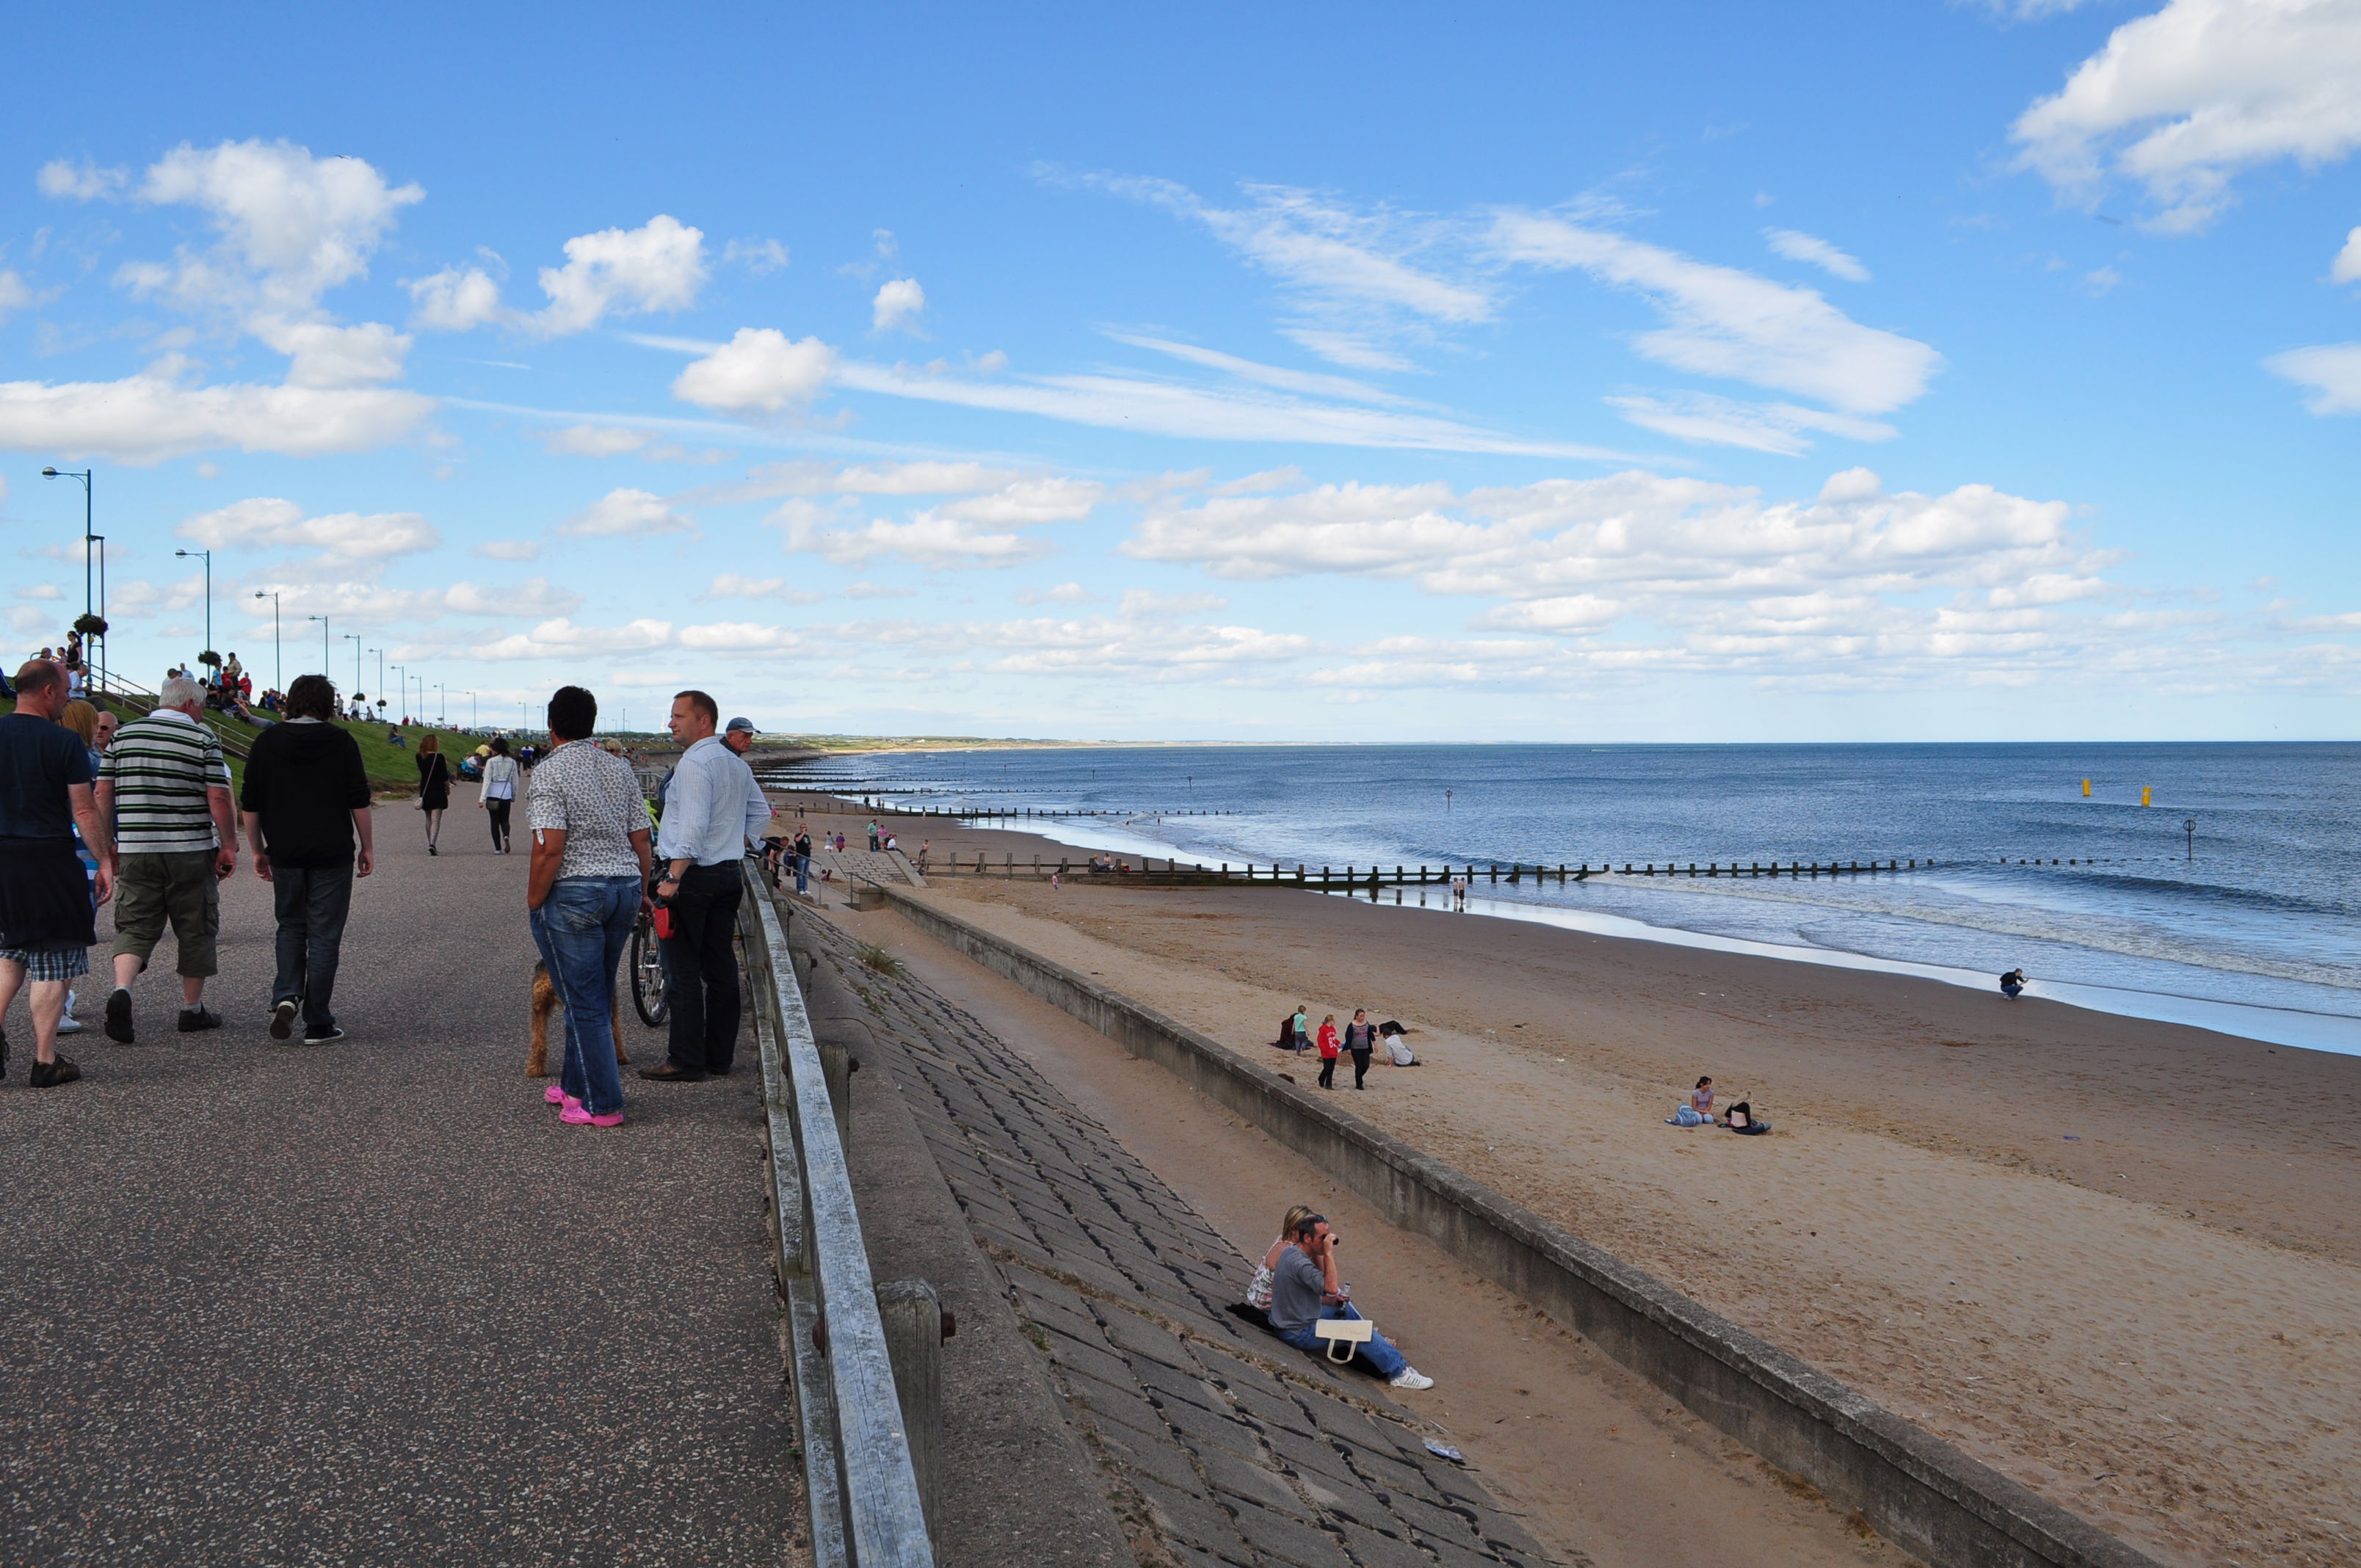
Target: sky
(1903, 370)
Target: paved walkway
(1217, 1441)
(371, 1303)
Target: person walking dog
(711, 808)
(165, 788)
(584, 886)
(47, 790)
(306, 800)
(497, 795)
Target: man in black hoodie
(306, 799)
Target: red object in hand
(664, 922)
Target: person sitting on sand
(1743, 1120)
(1304, 1289)
(1397, 1039)
(1697, 1111)
(2011, 983)
(1329, 1050)
(1259, 1289)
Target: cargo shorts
(179, 888)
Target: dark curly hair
(312, 696)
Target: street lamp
(442, 713)
(278, 671)
(84, 476)
(209, 595)
(323, 640)
(471, 710)
(355, 639)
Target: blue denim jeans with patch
(1377, 1351)
(581, 929)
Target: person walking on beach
(1458, 892)
(165, 789)
(1361, 1040)
(1328, 1051)
(1300, 1028)
(584, 886)
(802, 858)
(711, 808)
(434, 788)
(306, 800)
(497, 795)
(46, 791)
(872, 836)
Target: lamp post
(471, 710)
(401, 703)
(209, 595)
(323, 640)
(442, 709)
(380, 673)
(87, 537)
(278, 667)
(355, 639)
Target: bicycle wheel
(647, 975)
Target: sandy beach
(2116, 1259)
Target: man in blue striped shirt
(712, 806)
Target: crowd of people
(1359, 1039)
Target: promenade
(371, 1303)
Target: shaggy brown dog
(545, 1003)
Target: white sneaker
(1411, 1378)
(68, 1024)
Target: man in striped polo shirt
(166, 788)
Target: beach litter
(1444, 1451)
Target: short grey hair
(179, 691)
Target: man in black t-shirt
(306, 802)
(45, 901)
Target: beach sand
(2116, 1259)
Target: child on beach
(1397, 1039)
(1329, 1050)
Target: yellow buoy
(2086, 789)
(2144, 792)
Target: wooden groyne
(1117, 868)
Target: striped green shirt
(161, 767)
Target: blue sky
(1687, 372)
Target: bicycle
(647, 968)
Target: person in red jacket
(1329, 1047)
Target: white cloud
(2184, 100)
(1799, 247)
(1142, 605)
(660, 265)
(291, 226)
(1043, 498)
(2346, 267)
(534, 596)
(760, 370)
(510, 549)
(40, 591)
(454, 300)
(347, 537)
(877, 591)
(1310, 383)
(1150, 647)
(14, 294)
(1362, 280)
(559, 638)
(1781, 428)
(756, 255)
(148, 418)
(625, 514)
(27, 621)
(83, 181)
(928, 539)
(898, 304)
(2332, 370)
(1064, 593)
(595, 441)
(1723, 322)
(735, 586)
(1563, 613)
(336, 356)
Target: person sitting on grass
(1304, 1289)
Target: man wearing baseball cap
(739, 735)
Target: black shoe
(433, 850)
(282, 1020)
(194, 1019)
(665, 1072)
(327, 1036)
(50, 1074)
(118, 1018)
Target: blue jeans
(1379, 1354)
(803, 869)
(310, 903)
(581, 930)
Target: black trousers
(497, 810)
(701, 968)
(1328, 1072)
(1360, 1067)
(312, 904)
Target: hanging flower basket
(91, 625)
(210, 659)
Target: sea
(2201, 883)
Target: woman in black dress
(434, 788)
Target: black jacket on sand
(306, 781)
